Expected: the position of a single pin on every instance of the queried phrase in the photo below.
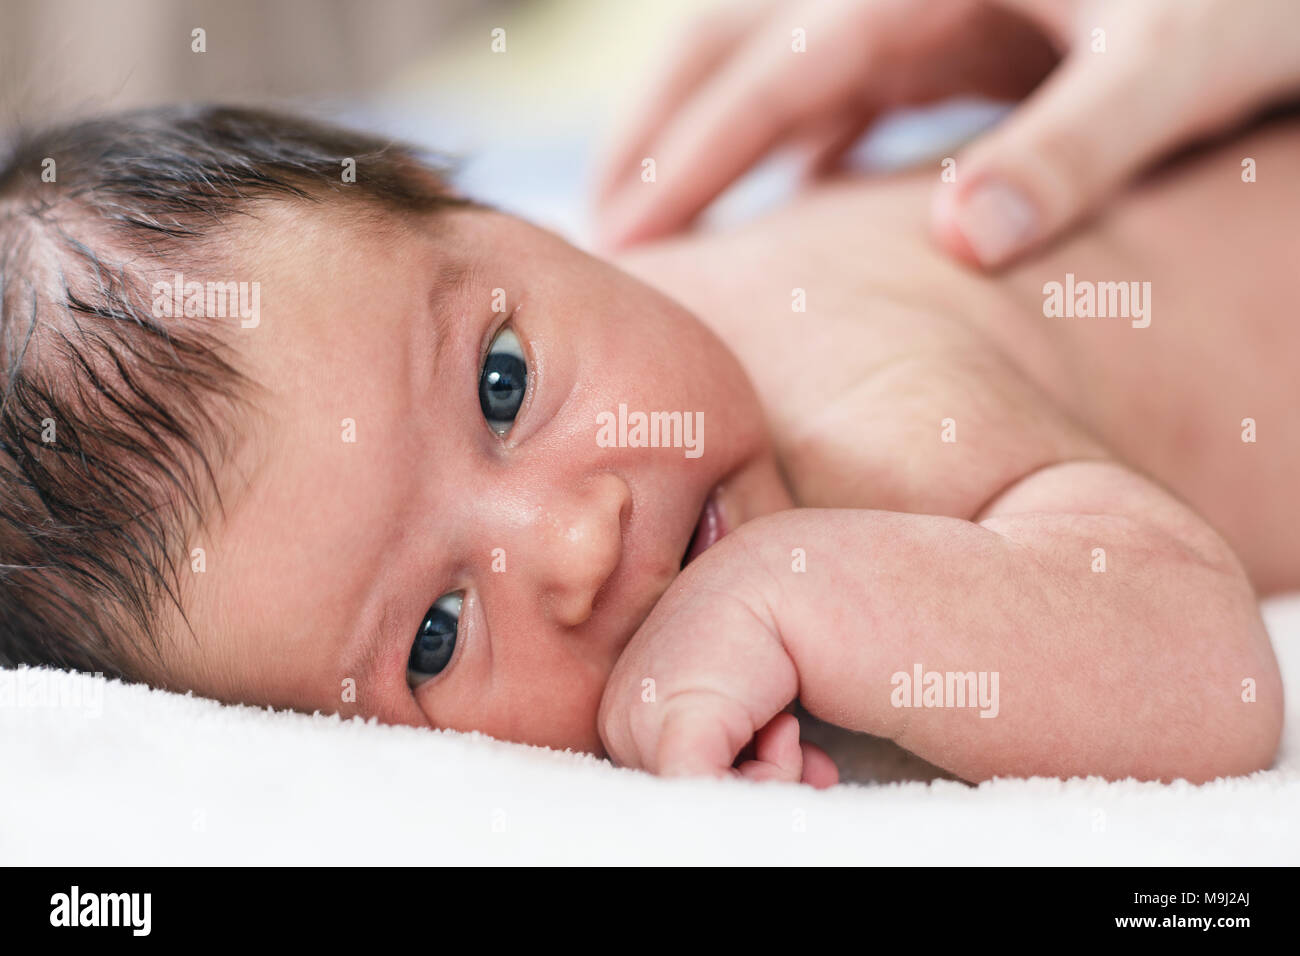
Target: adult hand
(1126, 83)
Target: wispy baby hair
(111, 418)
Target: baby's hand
(702, 687)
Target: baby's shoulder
(928, 415)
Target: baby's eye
(435, 641)
(503, 381)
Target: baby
(417, 482)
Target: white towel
(121, 774)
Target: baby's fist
(707, 677)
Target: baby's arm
(1138, 670)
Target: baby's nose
(584, 546)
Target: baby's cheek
(546, 704)
(564, 710)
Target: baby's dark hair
(111, 418)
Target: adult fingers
(769, 86)
(1087, 129)
(690, 59)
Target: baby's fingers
(778, 755)
(700, 735)
(819, 769)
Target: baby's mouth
(708, 530)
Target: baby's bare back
(910, 383)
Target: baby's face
(428, 524)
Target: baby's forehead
(279, 230)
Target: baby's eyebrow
(444, 285)
(453, 276)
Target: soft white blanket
(97, 772)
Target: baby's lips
(709, 530)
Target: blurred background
(525, 123)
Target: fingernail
(997, 220)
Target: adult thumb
(1089, 127)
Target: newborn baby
(452, 472)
